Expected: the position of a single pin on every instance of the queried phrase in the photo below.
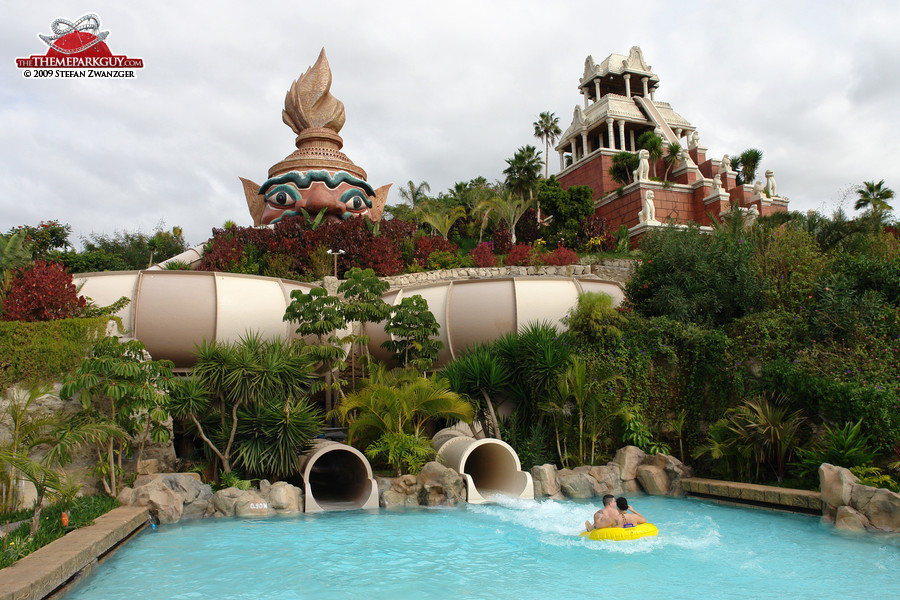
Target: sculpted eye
(355, 201)
(282, 197)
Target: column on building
(644, 80)
(585, 93)
(585, 145)
(627, 77)
(562, 160)
(597, 90)
(574, 154)
(631, 138)
(621, 124)
(610, 134)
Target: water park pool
(516, 548)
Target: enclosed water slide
(337, 477)
(476, 311)
(489, 466)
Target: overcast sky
(433, 92)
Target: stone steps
(40, 573)
(764, 496)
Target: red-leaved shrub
(483, 255)
(42, 291)
(561, 256)
(520, 255)
(428, 244)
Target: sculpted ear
(378, 203)
(255, 201)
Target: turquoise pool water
(518, 549)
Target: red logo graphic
(78, 45)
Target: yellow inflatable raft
(622, 533)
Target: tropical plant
(414, 194)
(318, 313)
(873, 197)
(479, 375)
(230, 378)
(589, 399)
(57, 436)
(634, 430)
(595, 320)
(672, 158)
(413, 330)
(522, 172)
(845, 446)
(399, 401)
(117, 386)
(653, 144)
(439, 217)
(623, 166)
(273, 434)
(404, 451)
(749, 163)
(546, 128)
(507, 207)
(362, 293)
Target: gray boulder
(545, 481)
(440, 485)
(835, 484)
(283, 497)
(880, 506)
(848, 519)
(653, 479)
(629, 459)
(169, 496)
(576, 485)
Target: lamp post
(335, 253)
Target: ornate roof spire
(309, 104)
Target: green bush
(45, 351)
(82, 512)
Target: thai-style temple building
(619, 105)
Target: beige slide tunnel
(474, 311)
(489, 466)
(337, 477)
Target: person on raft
(630, 517)
(608, 516)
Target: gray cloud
(432, 94)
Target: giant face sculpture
(317, 176)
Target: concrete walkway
(40, 573)
(767, 496)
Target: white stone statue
(725, 165)
(642, 173)
(759, 191)
(770, 184)
(648, 211)
(750, 215)
(694, 141)
(717, 185)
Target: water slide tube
(489, 466)
(474, 311)
(337, 477)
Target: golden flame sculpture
(309, 104)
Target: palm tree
(440, 218)
(509, 208)
(523, 171)
(547, 128)
(749, 163)
(672, 157)
(479, 372)
(400, 401)
(414, 194)
(873, 196)
(653, 144)
(623, 165)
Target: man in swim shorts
(608, 516)
(628, 520)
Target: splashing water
(518, 549)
